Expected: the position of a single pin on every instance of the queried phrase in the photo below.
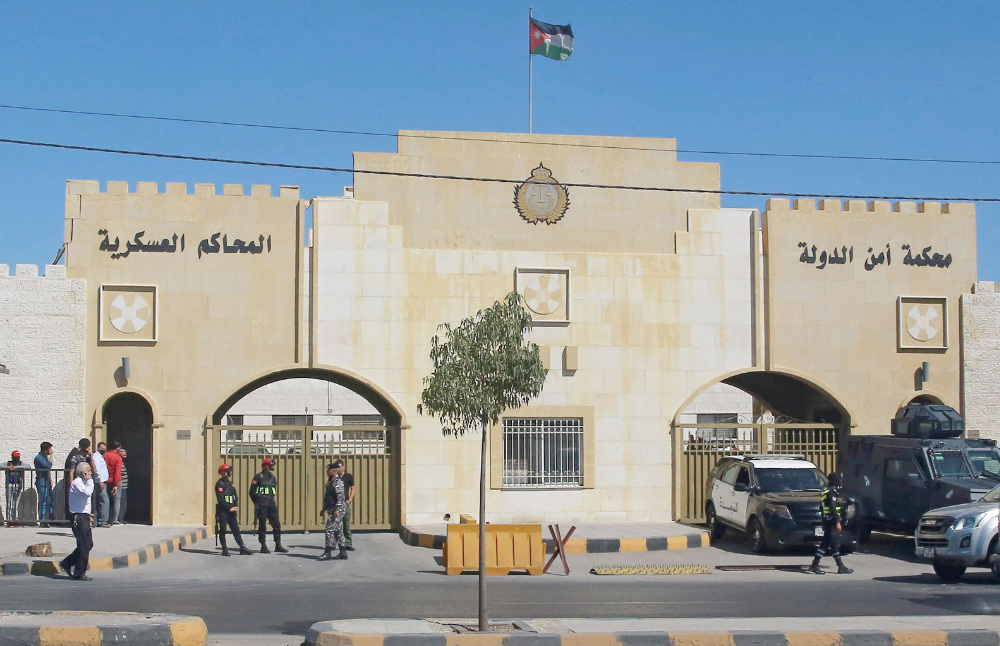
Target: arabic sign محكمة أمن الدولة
(209, 245)
(845, 255)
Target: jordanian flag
(553, 41)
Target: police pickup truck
(923, 465)
(956, 538)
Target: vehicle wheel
(948, 572)
(758, 540)
(715, 529)
(994, 552)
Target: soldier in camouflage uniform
(334, 506)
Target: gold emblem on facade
(540, 198)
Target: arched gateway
(369, 446)
(790, 414)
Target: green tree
(483, 367)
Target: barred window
(354, 420)
(542, 452)
(234, 433)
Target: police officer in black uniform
(263, 492)
(226, 507)
(834, 509)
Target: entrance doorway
(305, 419)
(751, 413)
(128, 418)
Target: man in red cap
(15, 485)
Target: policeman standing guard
(335, 507)
(263, 492)
(833, 507)
(226, 506)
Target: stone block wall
(42, 333)
(981, 358)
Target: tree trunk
(484, 625)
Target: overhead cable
(242, 124)
(359, 171)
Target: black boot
(343, 554)
(841, 568)
(327, 555)
(280, 549)
(814, 568)
(225, 550)
(243, 549)
(263, 549)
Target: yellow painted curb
(69, 636)
(920, 638)
(702, 639)
(189, 632)
(812, 639)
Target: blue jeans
(102, 505)
(46, 510)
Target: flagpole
(530, 70)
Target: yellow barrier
(508, 547)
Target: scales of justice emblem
(540, 198)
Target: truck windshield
(950, 464)
(771, 480)
(992, 496)
(984, 461)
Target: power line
(357, 171)
(363, 133)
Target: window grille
(292, 420)
(354, 420)
(234, 433)
(542, 452)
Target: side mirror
(915, 480)
(740, 487)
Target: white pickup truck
(961, 536)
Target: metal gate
(371, 453)
(699, 447)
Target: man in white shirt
(102, 502)
(80, 492)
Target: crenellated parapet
(876, 206)
(93, 187)
(31, 271)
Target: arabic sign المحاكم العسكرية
(845, 255)
(209, 245)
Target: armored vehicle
(923, 465)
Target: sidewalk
(948, 630)
(114, 547)
(588, 537)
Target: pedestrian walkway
(114, 547)
(588, 537)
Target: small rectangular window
(542, 453)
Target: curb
(318, 635)
(582, 545)
(100, 628)
(145, 554)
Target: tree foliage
(482, 367)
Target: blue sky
(891, 79)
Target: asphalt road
(285, 594)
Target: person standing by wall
(101, 475)
(263, 493)
(81, 491)
(80, 453)
(334, 506)
(122, 488)
(114, 461)
(15, 486)
(43, 484)
(348, 479)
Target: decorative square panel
(546, 293)
(922, 323)
(128, 314)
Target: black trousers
(830, 545)
(80, 558)
(223, 519)
(268, 515)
